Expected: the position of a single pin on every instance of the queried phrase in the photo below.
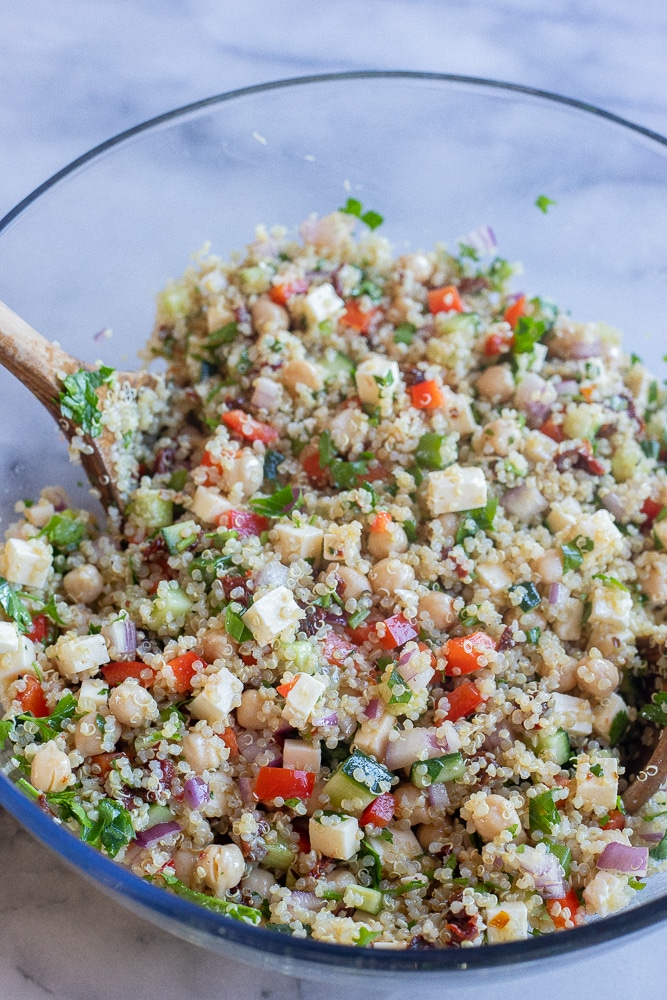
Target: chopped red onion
(252, 744)
(266, 393)
(652, 836)
(122, 634)
(273, 574)
(245, 788)
(483, 240)
(327, 720)
(557, 594)
(613, 503)
(438, 796)
(196, 792)
(568, 387)
(412, 743)
(621, 858)
(535, 397)
(152, 836)
(102, 334)
(373, 709)
(571, 348)
(524, 502)
(546, 871)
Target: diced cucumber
(151, 509)
(555, 747)
(179, 537)
(449, 767)
(278, 855)
(172, 604)
(357, 782)
(159, 814)
(337, 364)
(362, 897)
(301, 656)
(447, 323)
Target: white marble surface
(74, 72)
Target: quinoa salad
(378, 643)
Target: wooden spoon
(35, 362)
(650, 778)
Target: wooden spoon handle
(33, 359)
(649, 780)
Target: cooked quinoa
(385, 615)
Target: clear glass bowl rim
(165, 906)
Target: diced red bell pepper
(463, 701)
(570, 901)
(427, 395)
(650, 508)
(380, 812)
(445, 299)
(304, 842)
(397, 631)
(362, 633)
(498, 343)
(514, 312)
(463, 653)
(357, 318)
(282, 293)
(376, 473)
(381, 521)
(336, 648)
(183, 669)
(116, 673)
(228, 737)
(615, 821)
(245, 522)
(310, 463)
(284, 783)
(553, 430)
(104, 762)
(41, 627)
(32, 698)
(284, 689)
(247, 427)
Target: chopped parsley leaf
(13, 606)
(543, 203)
(370, 218)
(79, 402)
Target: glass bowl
(437, 156)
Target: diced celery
(159, 814)
(337, 364)
(151, 509)
(362, 897)
(555, 747)
(179, 536)
(357, 782)
(449, 767)
(175, 603)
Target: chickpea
(439, 607)
(496, 384)
(449, 523)
(298, 372)
(549, 567)
(652, 573)
(50, 770)
(417, 264)
(340, 878)
(244, 476)
(597, 677)
(411, 804)
(185, 862)
(267, 316)
(390, 542)
(84, 584)
(223, 867)
(433, 833)
(132, 704)
(390, 575)
(494, 815)
(354, 583)
(248, 712)
(89, 739)
(259, 881)
(349, 427)
(202, 753)
(215, 645)
(498, 437)
(221, 788)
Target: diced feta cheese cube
(600, 528)
(269, 616)
(221, 692)
(18, 662)
(208, 505)
(9, 637)
(494, 576)
(598, 789)
(610, 606)
(457, 488)
(565, 514)
(457, 412)
(538, 447)
(377, 379)
(403, 844)
(298, 541)
(302, 699)
(606, 711)
(93, 695)
(342, 543)
(40, 513)
(372, 736)
(507, 922)
(267, 393)
(322, 303)
(335, 836)
(27, 562)
(81, 654)
(606, 893)
(299, 755)
(573, 714)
